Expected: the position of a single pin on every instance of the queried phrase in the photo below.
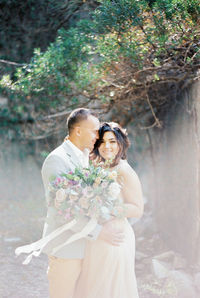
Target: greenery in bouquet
(92, 192)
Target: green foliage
(44, 83)
(50, 72)
(132, 28)
(118, 16)
(165, 289)
(137, 34)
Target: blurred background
(133, 62)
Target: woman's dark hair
(121, 138)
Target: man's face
(88, 132)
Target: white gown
(109, 271)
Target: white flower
(61, 195)
(103, 172)
(113, 175)
(112, 198)
(73, 192)
(105, 210)
(114, 189)
(105, 213)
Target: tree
(131, 57)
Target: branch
(148, 127)
(63, 113)
(12, 63)
(71, 12)
(157, 122)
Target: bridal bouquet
(92, 192)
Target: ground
(21, 223)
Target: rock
(167, 256)
(160, 269)
(184, 284)
(179, 262)
(140, 255)
(163, 263)
(177, 192)
(140, 239)
(12, 239)
(175, 260)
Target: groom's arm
(55, 166)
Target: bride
(108, 270)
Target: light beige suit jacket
(63, 160)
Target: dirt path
(18, 280)
(21, 223)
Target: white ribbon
(35, 248)
(85, 231)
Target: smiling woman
(112, 144)
(109, 147)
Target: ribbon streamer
(35, 248)
(84, 232)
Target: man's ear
(77, 131)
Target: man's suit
(62, 160)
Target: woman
(108, 270)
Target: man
(65, 264)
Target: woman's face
(109, 147)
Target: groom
(65, 265)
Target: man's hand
(112, 234)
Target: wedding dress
(107, 270)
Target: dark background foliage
(26, 25)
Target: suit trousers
(63, 275)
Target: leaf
(156, 77)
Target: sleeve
(54, 166)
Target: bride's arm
(131, 191)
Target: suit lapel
(71, 155)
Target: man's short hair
(77, 116)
